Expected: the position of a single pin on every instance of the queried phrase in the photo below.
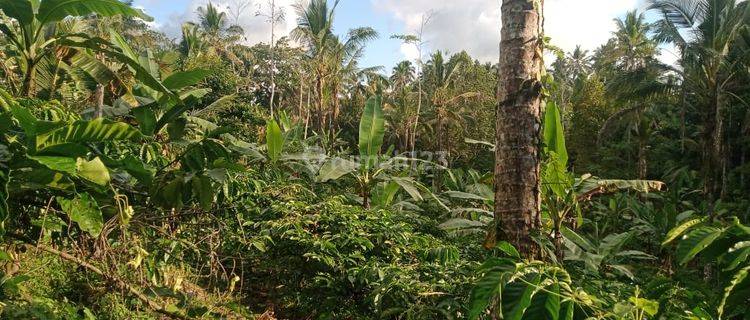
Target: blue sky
(455, 25)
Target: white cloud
(474, 25)
(257, 28)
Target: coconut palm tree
(402, 79)
(632, 41)
(331, 57)
(518, 155)
(704, 31)
(636, 81)
(440, 77)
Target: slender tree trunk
(99, 100)
(29, 80)
(419, 107)
(273, 58)
(300, 108)
(683, 116)
(642, 160)
(518, 156)
(308, 113)
(711, 147)
(437, 182)
(642, 146)
(321, 115)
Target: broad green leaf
(97, 130)
(136, 168)
(490, 286)
(25, 119)
(461, 224)
(141, 74)
(274, 140)
(203, 191)
(465, 195)
(95, 68)
(650, 307)
(336, 168)
(122, 44)
(146, 120)
(738, 254)
(552, 302)
(371, 131)
(20, 10)
(94, 171)
(679, 230)
(736, 280)
(577, 239)
(84, 211)
(182, 79)
(409, 187)
(56, 10)
(509, 249)
(522, 303)
(696, 241)
(60, 164)
(554, 137)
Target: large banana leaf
(57, 10)
(20, 10)
(371, 131)
(180, 80)
(141, 73)
(336, 168)
(94, 170)
(554, 138)
(94, 68)
(697, 241)
(588, 187)
(123, 45)
(274, 140)
(97, 130)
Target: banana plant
(727, 244)
(602, 255)
(374, 168)
(34, 18)
(562, 193)
(55, 154)
(509, 288)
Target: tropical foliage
(143, 177)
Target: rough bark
(29, 80)
(518, 115)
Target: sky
(454, 25)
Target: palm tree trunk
(321, 116)
(518, 156)
(712, 148)
(642, 160)
(437, 182)
(308, 113)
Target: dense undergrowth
(142, 178)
